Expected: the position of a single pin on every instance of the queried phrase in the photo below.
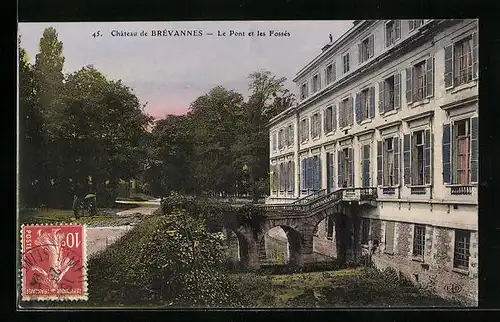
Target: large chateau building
(392, 104)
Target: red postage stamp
(53, 262)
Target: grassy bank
(358, 287)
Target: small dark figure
(76, 204)
(331, 38)
(344, 185)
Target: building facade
(392, 104)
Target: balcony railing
(310, 197)
(306, 206)
(461, 190)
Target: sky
(169, 72)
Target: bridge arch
(294, 240)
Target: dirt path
(104, 233)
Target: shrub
(170, 260)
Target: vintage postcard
(248, 164)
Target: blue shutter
(427, 157)
(474, 55)
(309, 174)
(351, 111)
(446, 153)
(381, 102)
(334, 117)
(474, 174)
(292, 180)
(320, 182)
(448, 66)
(379, 163)
(372, 102)
(303, 174)
(406, 160)
(328, 170)
(429, 77)
(397, 91)
(408, 86)
(358, 108)
(339, 168)
(366, 165)
(350, 169)
(396, 160)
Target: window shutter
(372, 102)
(339, 168)
(371, 45)
(379, 163)
(397, 91)
(303, 174)
(318, 168)
(351, 111)
(427, 157)
(396, 160)
(360, 53)
(325, 121)
(446, 142)
(408, 86)
(410, 24)
(429, 77)
(334, 117)
(358, 108)
(397, 29)
(366, 165)
(448, 66)
(292, 135)
(350, 169)
(474, 150)
(474, 55)
(271, 181)
(334, 72)
(381, 97)
(406, 159)
(328, 168)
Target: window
(365, 49)
(316, 83)
(330, 73)
(460, 152)
(290, 135)
(461, 252)
(280, 139)
(315, 125)
(365, 231)
(345, 59)
(390, 93)
(303, 91)
(365, 165)
(460, 61)
(274, 142)
(304, 130)
(274, 178)
(419, 241)
(365, 104)
(290, 177)
(414, 24)
(311, 174)
(417, 158)
(420, 81)
(345, 168)
(330, 171)
(329, 227)
(388, 162)
(389, 237)
(328, 119)
(392, 32)
(345, 112)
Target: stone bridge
(300, 219)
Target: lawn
(359, 287)
(47, 216)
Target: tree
(269, 98)
(214, 117)
(30, 135)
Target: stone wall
(435, 272)
(321, 243)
